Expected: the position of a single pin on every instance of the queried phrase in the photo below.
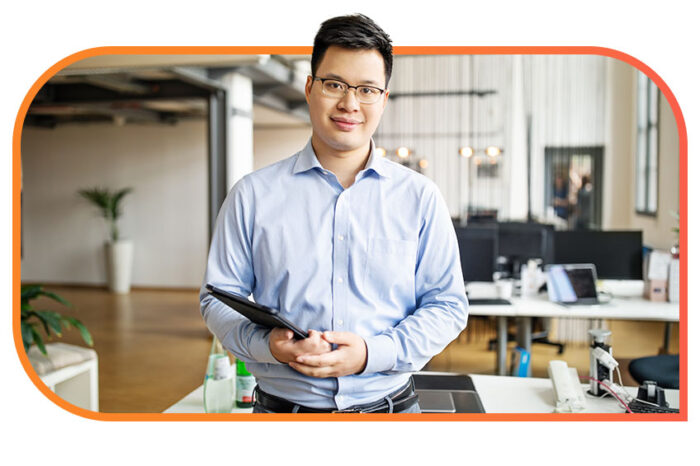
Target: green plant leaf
(56, 297)
(38, 340)
(83, 330)
(27, 335)
(30, 292)
(99, 197)
(53, 319)
(41, 320)
(116, 199)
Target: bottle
(245, 383)
(218, 382)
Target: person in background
(584, 204)
(560, 197)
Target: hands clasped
(314, 356)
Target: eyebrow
(368, 82)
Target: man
(357, 249)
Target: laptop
(447, 393)
(571, 284)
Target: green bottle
(245, 383)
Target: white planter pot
(119, 258)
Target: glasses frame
(348, 87)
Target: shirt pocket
(390, 268)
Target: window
(646, 199)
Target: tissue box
(656, 290)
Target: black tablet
(261, 315)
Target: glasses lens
(334, 88)
(368, 95)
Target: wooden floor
(153, 345)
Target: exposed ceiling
(165, 89)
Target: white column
(517, 152)
(239, 144)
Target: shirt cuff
(381, 354)
(260, 347)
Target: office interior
(552, 144)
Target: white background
(36, 36)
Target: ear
(385, 99)
(307, 87)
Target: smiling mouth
(345, 125)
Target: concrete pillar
(239, 146)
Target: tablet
(261, 315)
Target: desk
(525, 308)
(534, 395)
(498, 395)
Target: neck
(344, 164)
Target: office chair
(663, 369)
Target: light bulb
(492, 151)
(466, 151)
(403, 152)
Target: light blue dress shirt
(378, 259)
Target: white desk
(525, 308)
(194, 403)
(498, 395)
(534, 395)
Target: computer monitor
(478, 248)
(616, 254)
(518, 242)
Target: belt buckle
(348, 410)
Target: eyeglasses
(337, 90)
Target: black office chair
(663, 369)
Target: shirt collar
(307, 160)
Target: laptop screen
(571, 283)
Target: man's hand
(349, 358)
(286, 349)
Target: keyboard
(489, 301)
(637, 406)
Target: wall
(620, 189)
(273, 144)
(165, 216)
(657, 230)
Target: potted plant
(51, 321)
(118, 251)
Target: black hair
(352, 32)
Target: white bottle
(218, 382)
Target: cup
(504, 288)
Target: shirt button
(340, 279)
(341, 237)
(340, 322)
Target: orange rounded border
(447, 50)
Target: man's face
(344, 125)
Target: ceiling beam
(117, 83)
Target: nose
(349, 101)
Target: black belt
(400, 400)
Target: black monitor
(519, 241)
(478, 248)
(616, 254)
